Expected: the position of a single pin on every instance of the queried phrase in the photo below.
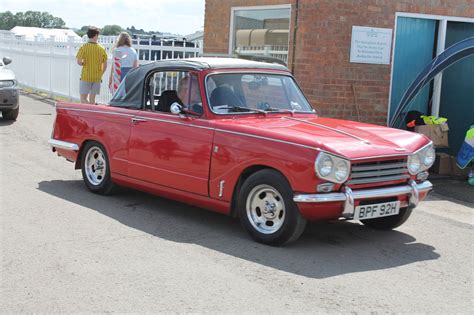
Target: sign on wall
(371, 45)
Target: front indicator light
(422, 176)
(325, 188)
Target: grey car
(9, 96)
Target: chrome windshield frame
(254, 71)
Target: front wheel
(391, 222)
(96, 169)
(10, 114)
(267, 210)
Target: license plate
(377, 210)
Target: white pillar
(438, 80)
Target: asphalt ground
(64, 249)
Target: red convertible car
(239, 137)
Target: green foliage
(8, 20)
(133, 31)
(111, 30)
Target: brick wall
(321, 64)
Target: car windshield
(229, 93)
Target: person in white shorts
(93, 59)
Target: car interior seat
(167, 98)
(224, 95)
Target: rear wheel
(10, 114)
(267, 210)
(391, 222)
(96, 169)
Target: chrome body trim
(349, 204)
(380, 156)
(243, 134)
(136, 120)
(329, 128)
(221, 188)
(415, 193)
(95, 111)
(359, 168)
(142, 118)
(349, 196)
(63, 145)
(377, 179)
(270, 139)
(394, 171)
(378, 172)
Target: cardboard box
(437, 133)
(443, 164)
(458, 172)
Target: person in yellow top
(93, 59)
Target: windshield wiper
(280, 110)
(242, 109)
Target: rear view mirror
(175, 108)
(6, 61)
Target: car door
(167, 149)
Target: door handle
(136, 120)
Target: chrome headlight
(414, 164)
(7, 83)
(422, 159)
(429, 156)
(332, 168)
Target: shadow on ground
(326, 249)
(455, 188)
(4, 122)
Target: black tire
(391, 222)
(290, 223)
(96, 179)
(10, 114)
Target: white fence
(280, 52)
(50, 66)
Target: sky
(174, 16)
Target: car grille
(378, 172)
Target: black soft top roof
(131, 90)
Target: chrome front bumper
(349, 196)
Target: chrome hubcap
(95, 166)
(265, 209)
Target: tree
(82, 31)
(30, 18)
(111, 30)
(7, 20)
(133, 30)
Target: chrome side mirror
(6, 61)
(176, 109)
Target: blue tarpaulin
(448, 57)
